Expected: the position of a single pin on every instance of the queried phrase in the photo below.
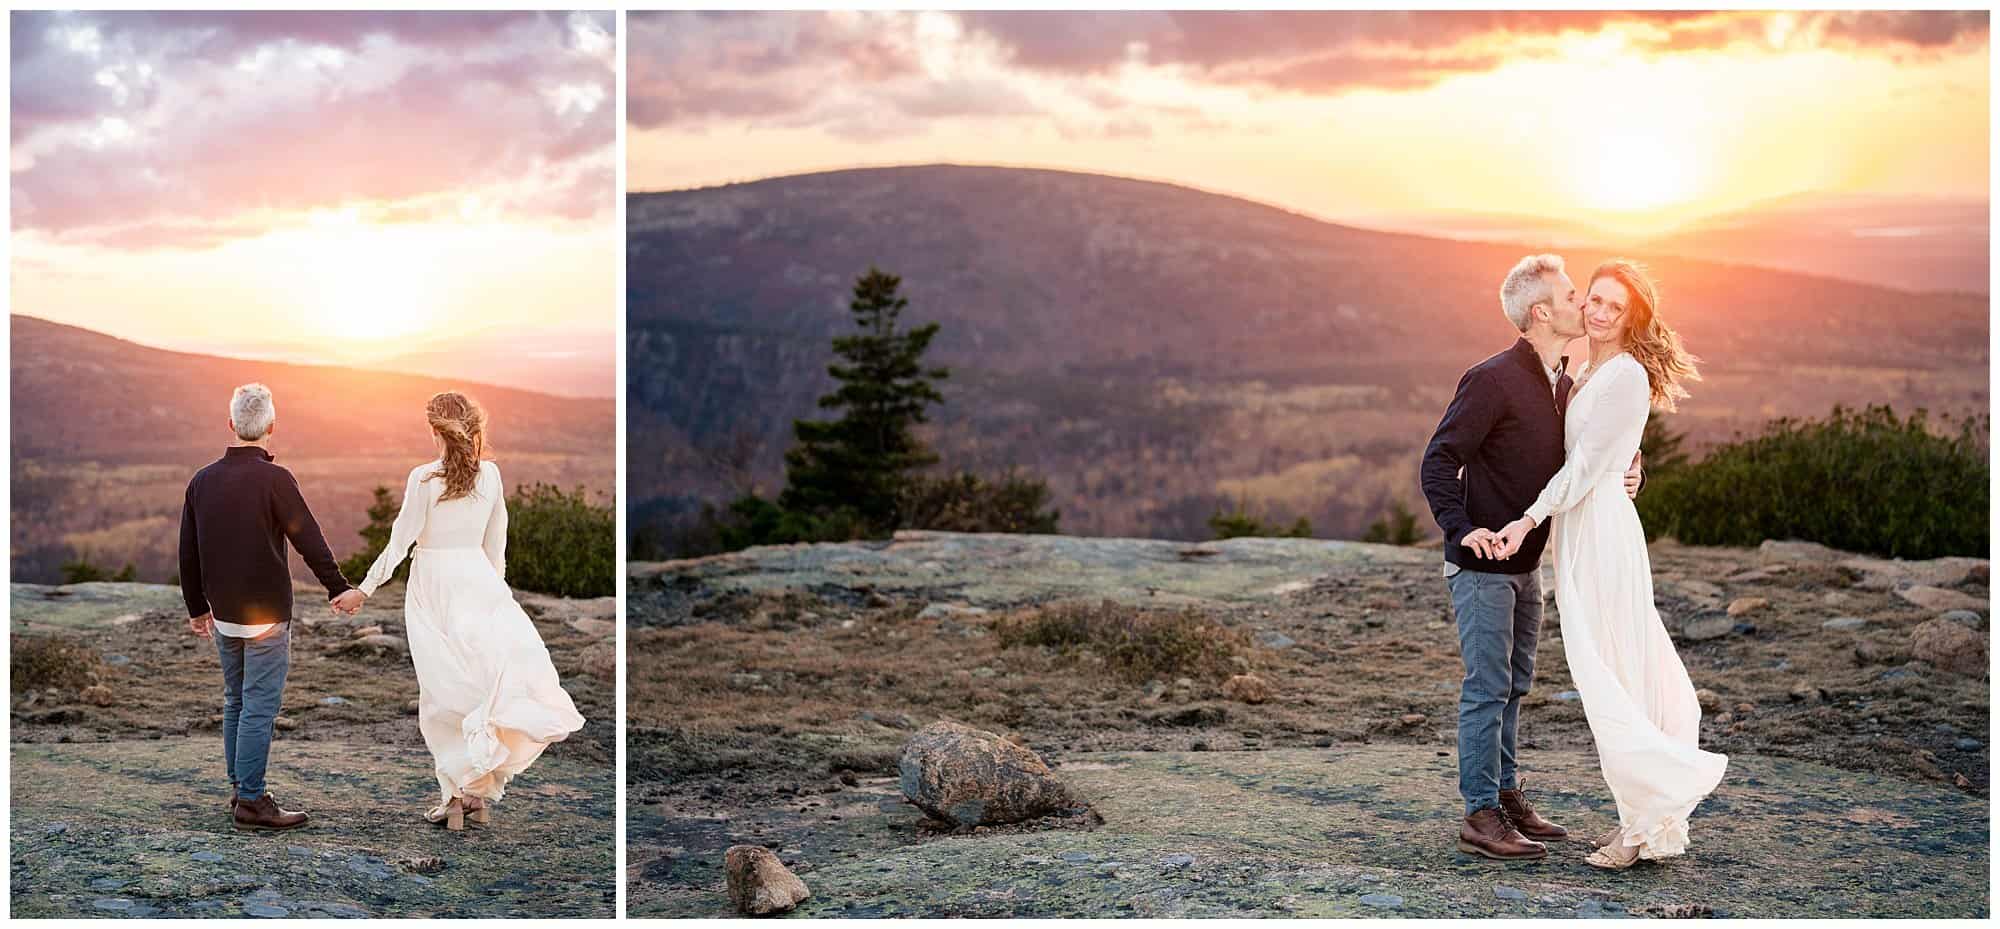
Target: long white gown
(1636, 693)
(489, 699)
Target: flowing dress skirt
(1635, 691)
(489, 699)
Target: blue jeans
(253, 688)
(1499, 619)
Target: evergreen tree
(847, 473)
(375, 538)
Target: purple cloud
(158, 129)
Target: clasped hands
(1502, 545)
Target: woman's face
(1604, 310)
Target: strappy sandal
(451, 814)
(1602, 858)
(481, 814)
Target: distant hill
(105, 433)
(1923, 244)
(1157, 351)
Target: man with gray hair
(239, 513)
(1499, 443)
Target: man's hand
(1512, 535)
(1632, 477)
(349, 601)
(203, 625)
(1482, 542)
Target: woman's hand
(1512, 535)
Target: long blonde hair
(459, 421)
(1653, 343)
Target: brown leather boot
(1487, 832)
(264, 814)
(1524, 817)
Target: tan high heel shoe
(1605, 858)
(481, 813)
(1605, 839)
(454, 815)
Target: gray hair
(1528, 285)
(252, 412)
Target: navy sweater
(239, 513)
(1505, 428)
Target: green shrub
(560, 543)
(1137, 644)
(966, 502)
(375, 538)
(81, 570)
(1397, 527)
(1239, 524)
(39, 662)
(1866, 481)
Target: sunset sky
(334, 187)
(1632, 121)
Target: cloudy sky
(355, 182)
(1627, 119)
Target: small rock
(760, 884)
(1844, 623)
(1414, 719)
(285, 724)
(1724, 718)
(969, 777)
(1505, 892)
(266, 910)
(1966, 618)
(1272, 639)
(1745, 605)
(206, 856)
(596, 628)
(1950, 646)
(1569, 696)
(1745, 709)
(1177, 862)
(333, 701)
(1961, 781)
(412, 707)
(1710, 700)
(1967, 745)
(98, 695)
(949, 611)
(1939, 598)
(600, 661)
(366, 631)
(1709, 625)
(1807, 694)
(1385, 901)
(1246, 688)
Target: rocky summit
(120, 803)
(773, 692)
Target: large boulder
(760, 884)
(1949, 646)
(969, 777)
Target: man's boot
(1524, 817)
(1487, 832)
(264, 814)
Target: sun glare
(371, 284)
(1636, 170)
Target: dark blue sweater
(240, 512)
(1505, 428)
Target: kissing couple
(1530, 456)
(488, 697)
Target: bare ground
(119, 797)
(776, 685)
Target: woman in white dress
(1636, 693)
(489, 700)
